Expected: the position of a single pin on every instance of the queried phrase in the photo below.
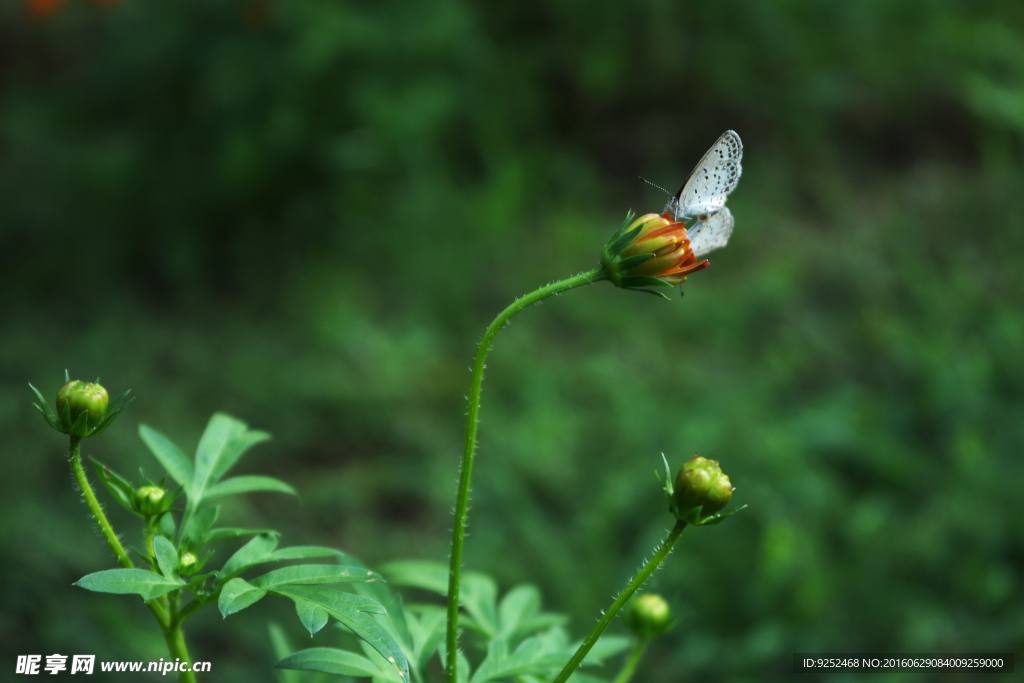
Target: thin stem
(645, 573)
(469, 448)
(75, 455)
(634, 658)
(94, 505)
(176, 646)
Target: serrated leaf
(248, 484)
(252, 553)
(238, 594)
(330, 660)
(127, 581)
(166, 558)
(233, 532)
(170, 457)
(310, 574)
(351, 610)
(197, 526)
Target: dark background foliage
(304, 214)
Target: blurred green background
(305, 214)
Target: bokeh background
(305, 214)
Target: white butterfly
(703, 195)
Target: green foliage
(515, 639)
(855, 357)
(223, 443)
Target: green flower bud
(701, 483)
(648, 615)
(78, 397)
(148, 499)
(187, 564)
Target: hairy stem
(469, 449)
(645, 573)
(634, 658)
(175, 638)
(94, 505)
(75, 456)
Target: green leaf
(479, 595)
(392, 603)
(166, 558)
(197, 526)
(167, 525)
(118, 487)
(222, 444)
(607, 647)
(282, 649)
(247, 484)
(312, 616)
(252, 553)
(534, 656)
(313, 574)
(431, 576)
(634, 261)
(518, 605)
(330, 661)
(350, 611)
(169, 456)
(304, 552)
(233, 532)
(124, 581)
(385, 671)
(238, 594)
(427, 634)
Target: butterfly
(703, 195)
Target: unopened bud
(701, 482)
(648, 616)
(148, 499)
(187, 564)
(78, 397)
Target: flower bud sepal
(141, 500)
(617, 266)
(680, 502)
(83, 408)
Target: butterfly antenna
(653, 185)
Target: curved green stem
(634, 658)
(469, 448)
(175, 639)
(75, 456)
(645, 573)
(94, 505)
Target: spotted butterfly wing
(711, 233)
(711, 181)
